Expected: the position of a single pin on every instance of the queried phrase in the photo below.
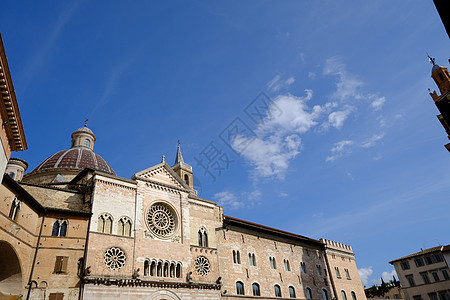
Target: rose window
(114, 258)
(201, 265)
(161, 220)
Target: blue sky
(347, 145)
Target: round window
(161, 220)
(114, 258)
(202, 265)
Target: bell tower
(182, 169)
(441, 77)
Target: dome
(84, 129)
(80, 155)
(75, 158)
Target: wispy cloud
(47, 44)
(339, 149)
(277, 83)
(228, 199)
(244, 199)
(343, 147)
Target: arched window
(15, 207)
(252, 259)
(239, 288)
(273, 263)
(166, 269)
(236, 257)
(159, 269)
(153, 268)
(286, 265)
(12, 174)
(324, 294)
(172, 269)
(255, 288)
(124, 226)
(146, 268)
(354, 296)
(105, 223)
(59, 228)
(87, 143)
(344, 296)
(277, 290)
(308, 293)
(186, 179)
(291, 292)
(202, 237)
(178, 270)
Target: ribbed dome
(75, 158)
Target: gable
(163, 174)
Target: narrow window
(159, 269)
(419, 262)
(287, 267)
(146, 268)
(319, 270)
(324, 294)
(347, 274)
(172, 269)
(178, 270)
(277, 290)
(354, 296)
(186, 179)
(445, 274)
(153, 268)
(202, 237)
(238, 256)
(239, 288)
(87, 143)
(308, 293)
(302, 265)
(14, 211)
(166, 269)
(234, 257)
(291, 292)
(344, 296)
(55, 230)
(441, 77)
(80, 267)
(338, 274)
(105, 223)
(255, 288)
(63, 228)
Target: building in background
(441, 77)
(425, 275)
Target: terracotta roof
(422, 252)
(259, 227)
(75, 158)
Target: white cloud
(364, 274)
(347, 85)
(228, 199)
(290, 80)
(336, 119)
(312, 75)
(277, 139)
(255, 195)
(377, 104)
(370, 142)
(388, 276)
(283, 194)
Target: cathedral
(73, 229)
